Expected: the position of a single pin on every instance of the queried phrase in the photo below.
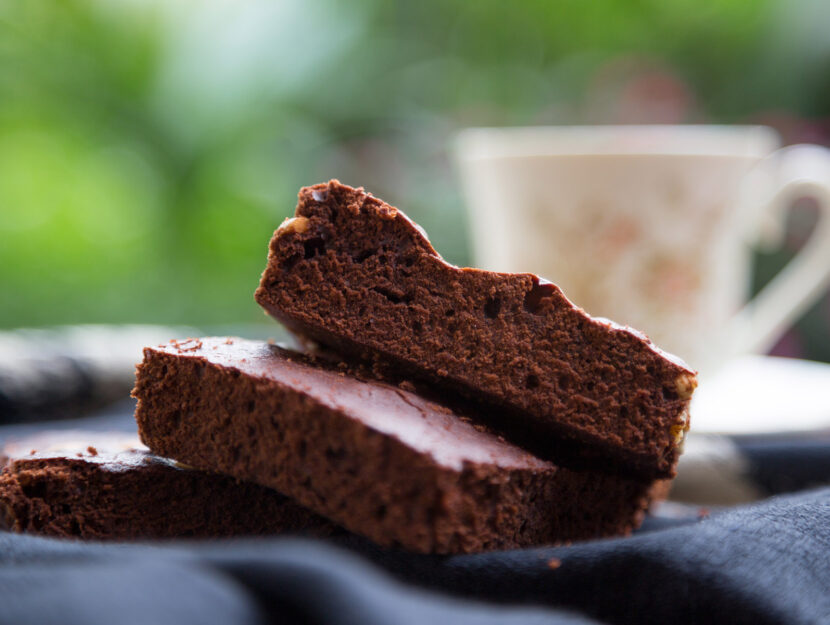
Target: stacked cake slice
(108, 486)
(437, 409)
(355, 274)
(379, 460)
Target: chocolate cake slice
(108, 486)
(377, 459)
(355, 274)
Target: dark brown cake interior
(355, 274)
(107, 486)
(377, 459)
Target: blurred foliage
(148, 149)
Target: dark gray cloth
(764, 563)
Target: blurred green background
(148, 149)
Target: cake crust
(377, 459)
(356, 275)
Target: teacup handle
(787, 174)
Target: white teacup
(651, 225)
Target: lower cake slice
(108, 486)
(376, 459)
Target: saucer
(763, 395)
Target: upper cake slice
(355, 274)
